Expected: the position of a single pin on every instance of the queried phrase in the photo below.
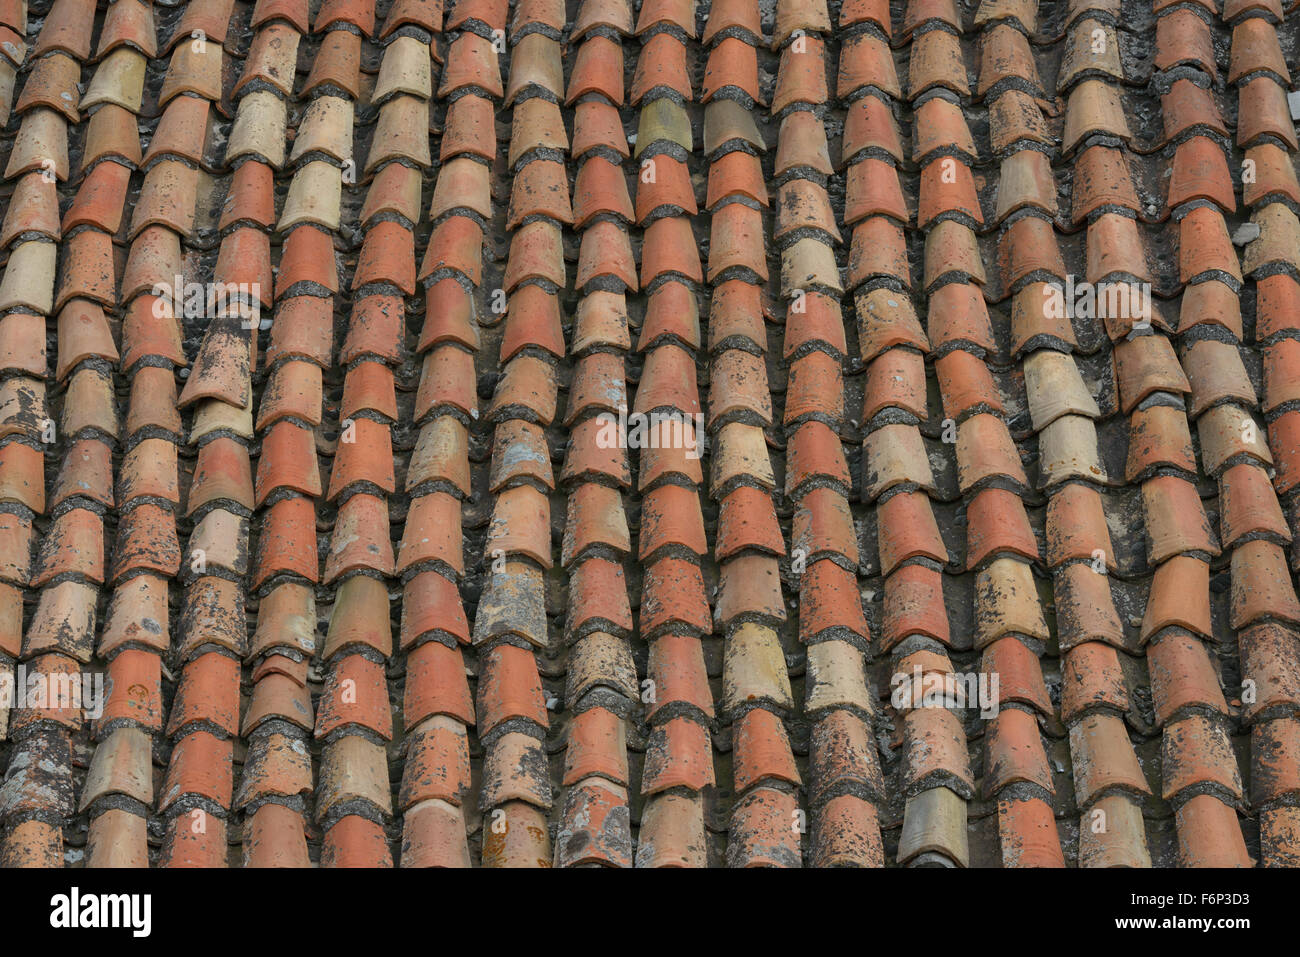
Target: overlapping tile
(846, 787)
(69, 568)
(601, 689)
(757, 696)
(1262, 549)
(678, 772)
(659, 245)
(198, 796)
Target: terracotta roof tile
(942, 533)
(732, 65)
(210, 16)
(1233, 9)
(67, 27)
(1262, 106)
(1005, 58)
(936, 62)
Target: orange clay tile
(606, 252)
(546, 13)
(1182, 37)
(669, 189)
(601, 189)
(1178, 598)
(936, 62)
(914, 605)
(668, 247)
(436, 684)
(895, 380)
(1262, 108)
(660, 66)
(1015, 753)
(33, 208)
(1196, 752)
(355, 694)
(539, 189)
(872, 188)
(358, 14)
(1200, 171)
(731, 15)
(614, 14)
(966, 385)
(52, 83)
(1114, 764)
(1257, 592)
(681, 595)
(869, 125)
(291, 11)
(814, 389)
(678, 755)
(865, 60)
(532, 320)
(823, 526)
(1093, 678)
(387, 256)
(67, 27)
(814, 454)
(446, 382)
(1233, 9)
(1005, 56)
(806, 18)
(877, 250)
(88, 268)
(1158, 438)
(1182, 676)
(762, 751)
(455, 245)
(1255, 48)
(677, 662)
(1274, 175)
(210, 16)
(679, 13)
(732, 65)
(936, 750)
(137, 614)
(597, 599)
(471, 64)
(673, 599)
(997, 524)
(1026, 183)
(1144, 365)
(1014, 116)
(595, 524)
(1204, 245)
(83, 334)
(365, 457)
(1187, 106)
(1176, 522)
(597, 68)
(744, 523)
(907, 530)
(1101, 178)
(948, 187)
(865, 11)
(305, 332)
(469, 130)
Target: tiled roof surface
(314, 318)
